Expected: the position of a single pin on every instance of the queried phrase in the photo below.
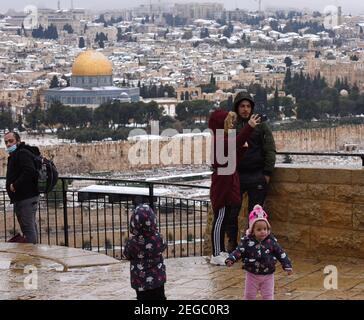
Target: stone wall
(319, 140)
(113, 156)
(316, 212)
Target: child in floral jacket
(144, 250)
(260, 251)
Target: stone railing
(314, 211)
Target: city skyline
(348, 6)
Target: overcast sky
(349, 6)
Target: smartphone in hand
(263, 117)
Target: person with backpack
(22, 184)
(256, 161)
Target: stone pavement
(190, 278)
(65, 256)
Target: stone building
(332, 70)
(189, 93)
(91, 84)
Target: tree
(287, 81)
(81, 42)
(187, 35)
(245, 63)
(227, 33)
(354, 92)
(307, 110)
(51, 33)
(101, 19)
(67, 27)
(23, 31)
(6, 120)
(101, 44)
(35, 118)
(190, 110)
(54, 82)
(67, 79)
(165, 33)
(212, 79)
(204, 33)
(276, 101)
(288, 62)
(119, 35)
(38, 33)
(19, 123)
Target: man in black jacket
(256, 165)
(22, 184)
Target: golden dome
(91, 63)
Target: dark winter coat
(144, 250)
(260, 257)
(225, 189)
(260, 151)
(22, 173)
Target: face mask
(11, 149)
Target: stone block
(288, 189)
(320, 213)
(358, 194)
(320, 191)
(358, 216)
(306, 212)
(333, 241)
(325, 176)
(344, 193)
(290, 235)
(337, 214)
(358, 177)
(276, 208)
(285, 175)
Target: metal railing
(101, 223)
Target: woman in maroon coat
(225, 186)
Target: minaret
(339, 16)
(59, 4)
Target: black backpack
(47, 174)
(47, 171)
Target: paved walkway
(67, 257)
(188, 278)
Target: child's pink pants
(257, 282)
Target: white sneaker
(224, 254)
(218, 260)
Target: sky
(348, 6)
